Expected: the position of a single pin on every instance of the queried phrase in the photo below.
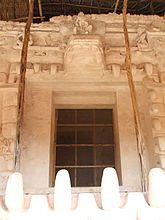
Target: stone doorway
(84, 144)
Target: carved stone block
(9, 114)
(82, 25)
(5, 144)
(148, 67)
(20, 39)
(9, 98)
(162, 77)
(84, 55)
(3, 78)
(158, 109)
(162, 161)
(9, 130)
(116, 70)
(152, 95)
(7, 162)
(13, 78)
(157, 124)
(15, 68)
(134, 70)
(161, 143)
(11, 162)
(53, 69)
(37, 67)
(156, 95)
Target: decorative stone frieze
(78, 65)
(49, 43)
(20, 38)
(141, 39)
(81, 25)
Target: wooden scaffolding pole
(116, 6)
(21, 87)
(138, 126)
(40, 10)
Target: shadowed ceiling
(18, 9)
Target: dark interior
(85, 144)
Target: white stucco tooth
(110, 195)
(156, 188)
(14, 196)
(62, 191)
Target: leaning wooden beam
(21, 87)
(138, 126)
(25, 18)
(40, 10)
(116, 6)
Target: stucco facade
(79, 62)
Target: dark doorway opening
(85, 144)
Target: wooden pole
(21, 87)
(25, 18)
(138, 126)
(40, 10)
(116, 6)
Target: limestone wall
(80, 61)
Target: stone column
(35, 155)
(130, 164)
